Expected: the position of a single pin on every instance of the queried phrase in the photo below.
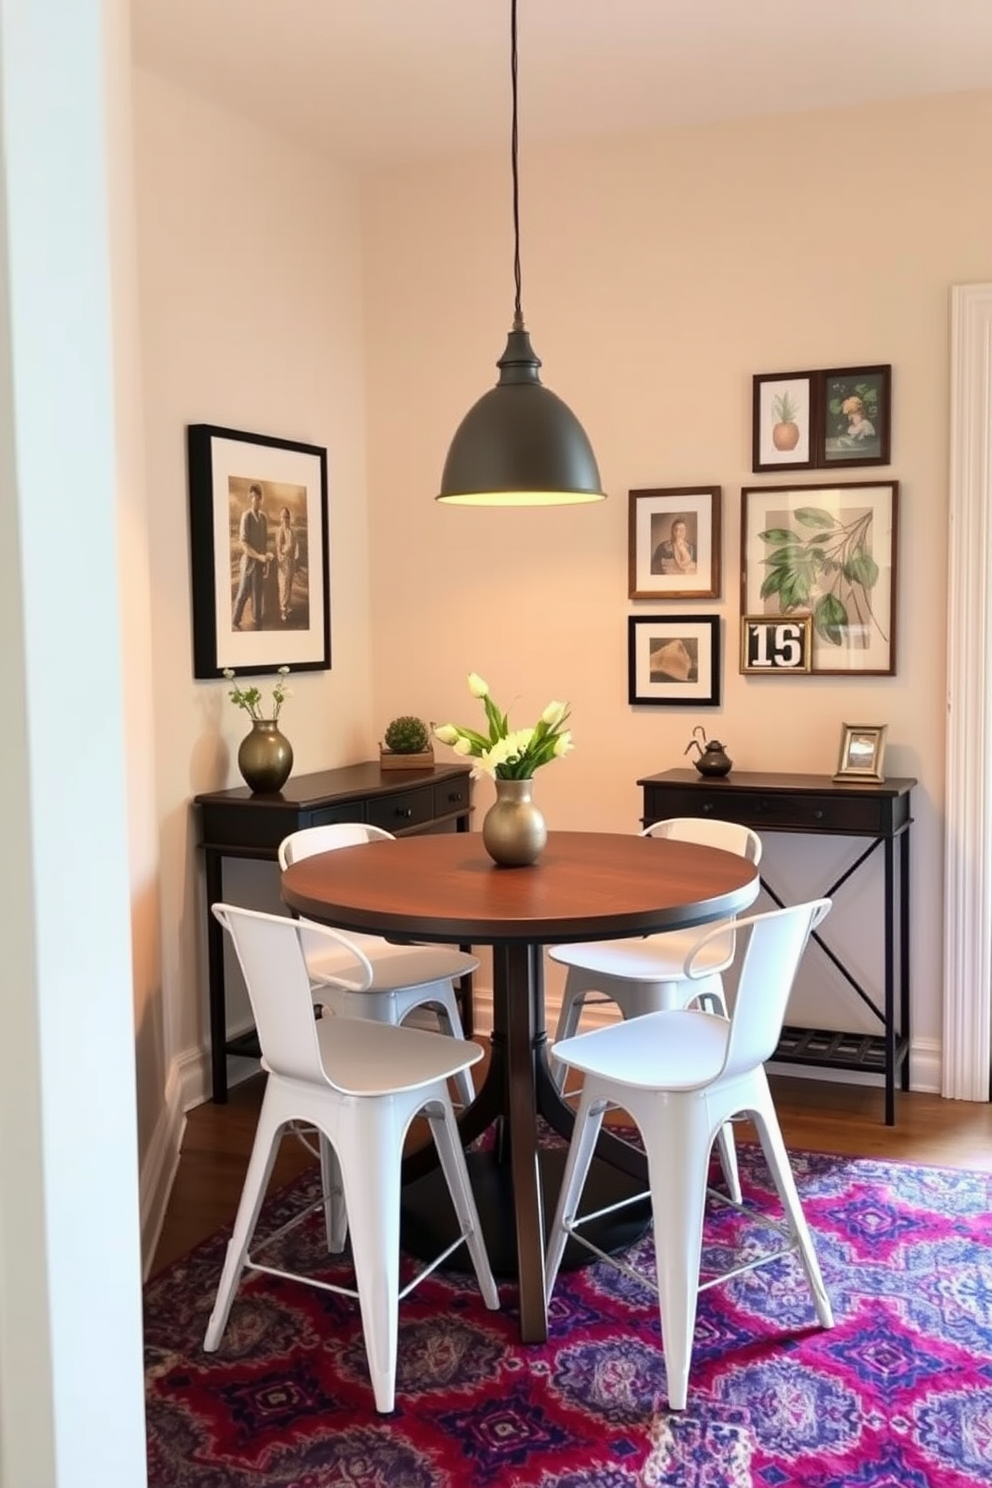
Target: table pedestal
(515, 1176)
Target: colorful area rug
(897, 1395)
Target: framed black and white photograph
(674, 659)
(831, 552)
(781, 647)
(783, 417)
(673, 549)
(258, 524)
(862, 751)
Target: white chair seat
(365, 1058)
(645, 958)
(395, 968)
(680, 1074)
(404, 977)
(680, 1049)
(646, 974)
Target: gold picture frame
(780, 646)
(862, 751)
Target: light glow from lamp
(519, 445)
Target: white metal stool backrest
(310, 840)
(272, 959)
(731, 836)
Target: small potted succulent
(406, 745)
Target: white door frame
(967, 1030)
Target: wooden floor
(814, 1115)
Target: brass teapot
(711, 760)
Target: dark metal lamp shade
(520, 445)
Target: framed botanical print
(783, 421)
(674, 543)
(673, 659)
(854, 416)
(831, 552)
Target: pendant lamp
(519, 445)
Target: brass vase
(513, 829)
(265, 757)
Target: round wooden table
(444, 888)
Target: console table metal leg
(214, 879)
(890, 991)
(904, 1011)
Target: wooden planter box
(390, 761)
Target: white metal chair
(680, 1074)
(359, 1084)
(404, 977)
(645, 974)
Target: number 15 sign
(776, 646)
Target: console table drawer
(807, 812)
(453, 796)
(329, 816)
(404, 809)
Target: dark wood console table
(816, 804)
(237, 824)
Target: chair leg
(773, 1146)
(712, 1000)
(263, 1156)
(585, 1133)
(568, 1021)
(451, 1023)
(728, 1161)
(335, 1209)
(452, 1157)
(369, 1154)
(677, 1162)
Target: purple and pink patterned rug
(897, 1395)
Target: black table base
(429, 1223)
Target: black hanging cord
(518, 316)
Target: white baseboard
(187, 1084)
(158, 1170)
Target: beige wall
(250, 282)
(660, 273)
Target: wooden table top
(586, 886)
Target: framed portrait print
(854, 416)
(674, 543)
(862, 750)
(258, 552)
(674, 659)
(783, 416)
(829, 551)
(778, 647)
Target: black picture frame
(292, 588)
(673, 660)
(854, 417)
(822, 419)
(784, 409)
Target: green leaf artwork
(825, 568)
